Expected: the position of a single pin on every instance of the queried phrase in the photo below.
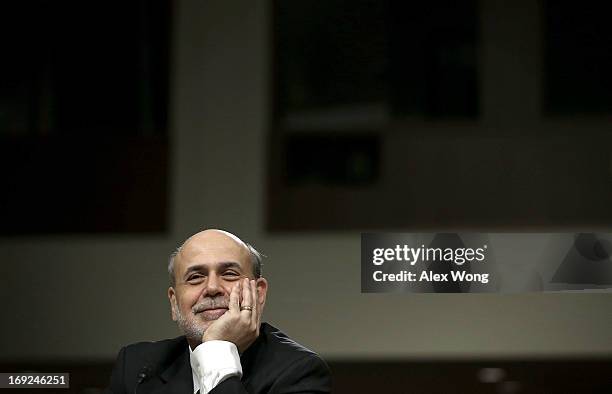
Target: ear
(173, 304)
(262, 290)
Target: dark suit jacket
(273, 364)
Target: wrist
(207, 337)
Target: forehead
(212, 249)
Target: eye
(231, 274)
(195, 278)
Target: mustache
(211, 303)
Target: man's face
(206, 269)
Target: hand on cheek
(240, 324)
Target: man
(217, 296)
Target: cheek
(227, 287)
(187, 300)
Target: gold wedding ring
(246, 308)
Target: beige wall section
(86, 296)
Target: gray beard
(189, 327)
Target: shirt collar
(194, 370)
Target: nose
(213, 285)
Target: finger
(234, 304)
(247, 298)
(246, 291)
(259, 309)
(254, 315)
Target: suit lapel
(248, 358)
(177, 378)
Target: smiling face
(206, 269)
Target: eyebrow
(220, 266)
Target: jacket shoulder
(278, 363)
(156, 346)
(282, 348)
(154, 356)
(147, 358)
(282, 344)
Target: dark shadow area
(415, 377)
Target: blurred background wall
(81, 296)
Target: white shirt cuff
(215, 362)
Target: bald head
(215, 241)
